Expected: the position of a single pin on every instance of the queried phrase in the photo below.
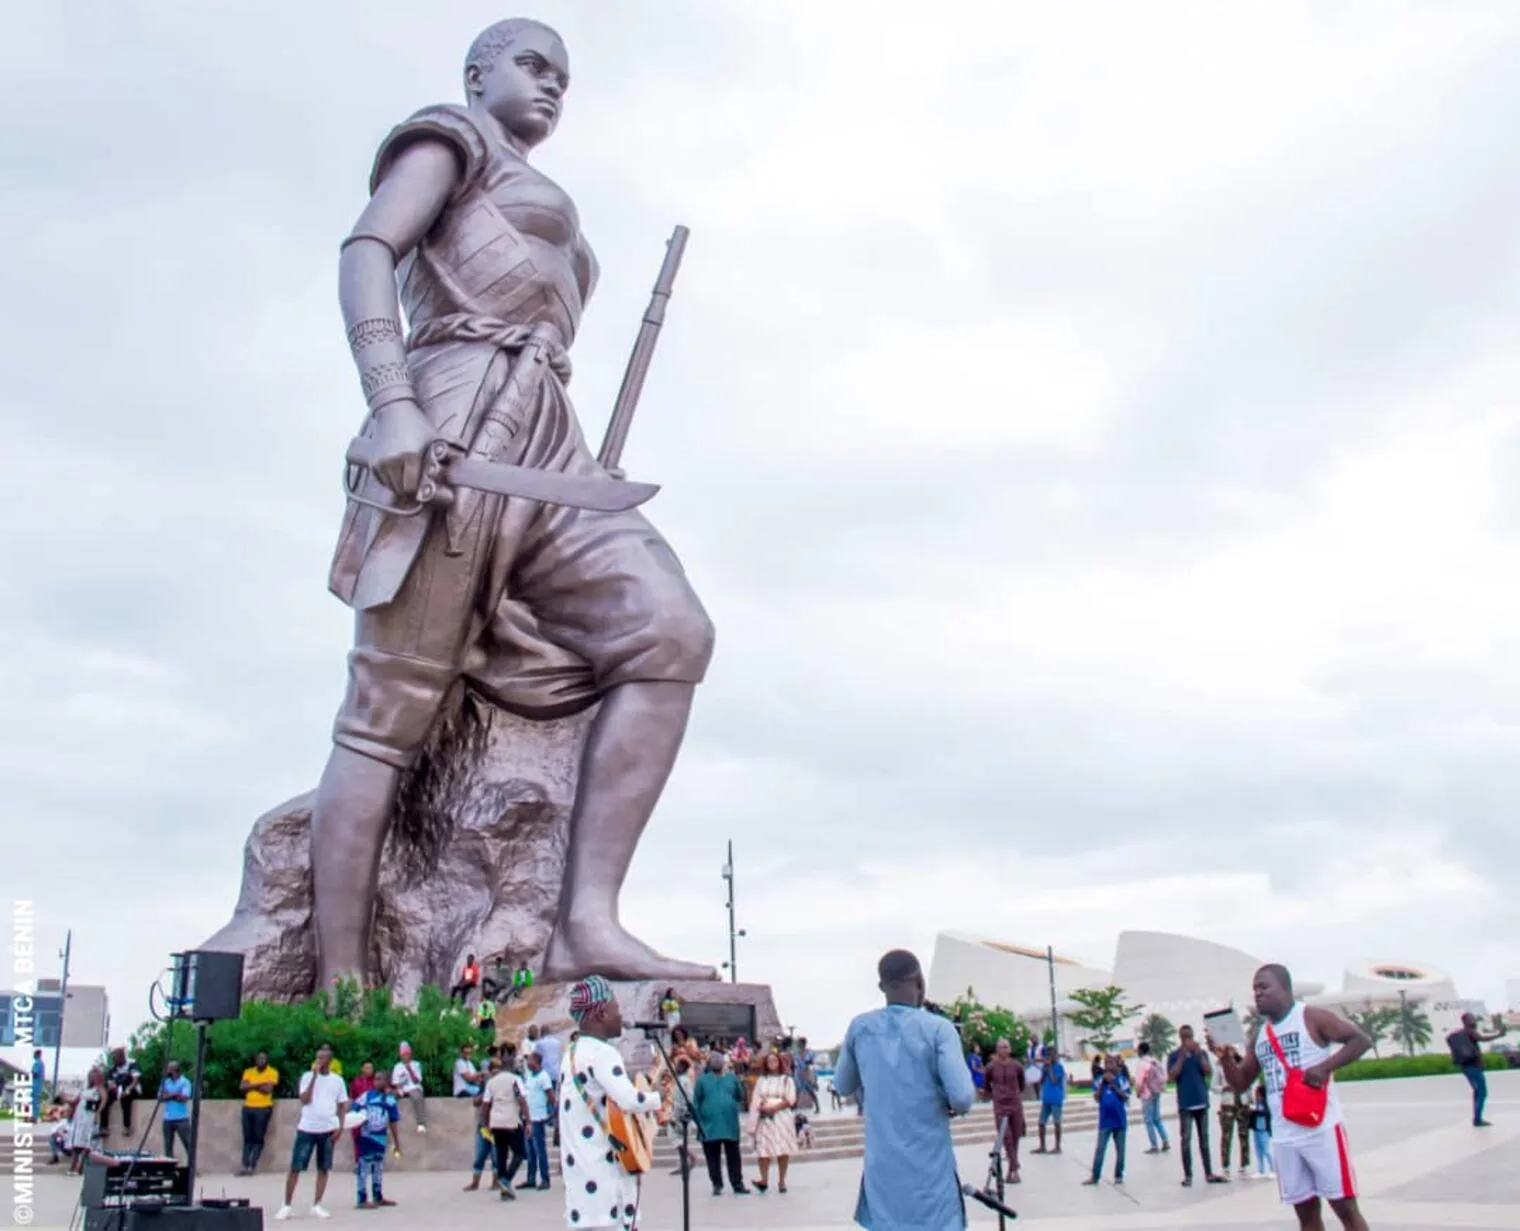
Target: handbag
(1302, 1103)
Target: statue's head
(518, 71)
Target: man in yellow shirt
(258, 1088)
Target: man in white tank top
(1312, 1163)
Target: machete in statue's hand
(446, 466)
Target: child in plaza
(381, 1114)
(1111, 1091)
(1261, 1131)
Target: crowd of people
(910, 1071)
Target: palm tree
(1375, 1023)
(1411, 1026)
(1159, 1033)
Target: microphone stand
(991, 1194)
(653, 1033)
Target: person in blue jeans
(1467, 1055)
(1261, 1132)
(1052, 1098)
(1112, 1094)
(381, 1114)
(539, 1091)
(1150, 1085)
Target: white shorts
(1317, 1166)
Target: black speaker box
(210, 986)
(174, 1218)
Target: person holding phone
(324, 1103)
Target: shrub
(1408, 1066)
(986, 1025)
(362, 1026)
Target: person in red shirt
(361, 1084)
(469, 980)
(1005, 1087)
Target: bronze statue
(546, 592)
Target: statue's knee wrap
(391, 705)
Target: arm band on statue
(385, 383)
(379, 239)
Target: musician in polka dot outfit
(598, 1192)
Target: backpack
(1464, 1052)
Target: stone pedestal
(708, 1012)
(473, 865)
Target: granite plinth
(473, 864)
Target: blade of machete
(549, 486)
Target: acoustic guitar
(632, 1133)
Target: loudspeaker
(174, 1218)
(208, 987)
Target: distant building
(1179, 977)
(86, 1020)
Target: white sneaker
(422, 1128)
(318, 1212)
(282, 1213)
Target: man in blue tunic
(911, 1062)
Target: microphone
(987, 1199)
(646, 1027)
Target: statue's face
(525, 89)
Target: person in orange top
(469, 980)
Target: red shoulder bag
(1302, 1103)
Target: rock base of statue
(709, 1010)
(473, 864)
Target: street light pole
(1055, 1026)
(63, 1001)
(734, 931)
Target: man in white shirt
(324, 1101)
(598, 1191)
(467, 1078)
(406, 1084)
(506, 1113)
(539, 1092)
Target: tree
(1411, 1026)
(986, 1025)
(1159, 1032)
(1375, 1023)
(363, 1025)
(1103, 1011)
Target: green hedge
(359, 1028)
(1409, 1066)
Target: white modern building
(1179, 977)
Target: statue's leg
(349, 821)
(630, 751)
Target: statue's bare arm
(402, 210)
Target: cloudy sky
(1093, 428)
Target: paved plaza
(1420, 1164)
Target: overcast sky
(1094, 429)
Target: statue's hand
(402, 435)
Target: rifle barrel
(643, 351)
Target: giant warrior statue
(545, 604)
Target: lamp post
(63, 1001)
(1055, 1025)
(734, 931)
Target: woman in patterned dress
(84, 1133)
(771, 1116)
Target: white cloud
(1092, 428)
